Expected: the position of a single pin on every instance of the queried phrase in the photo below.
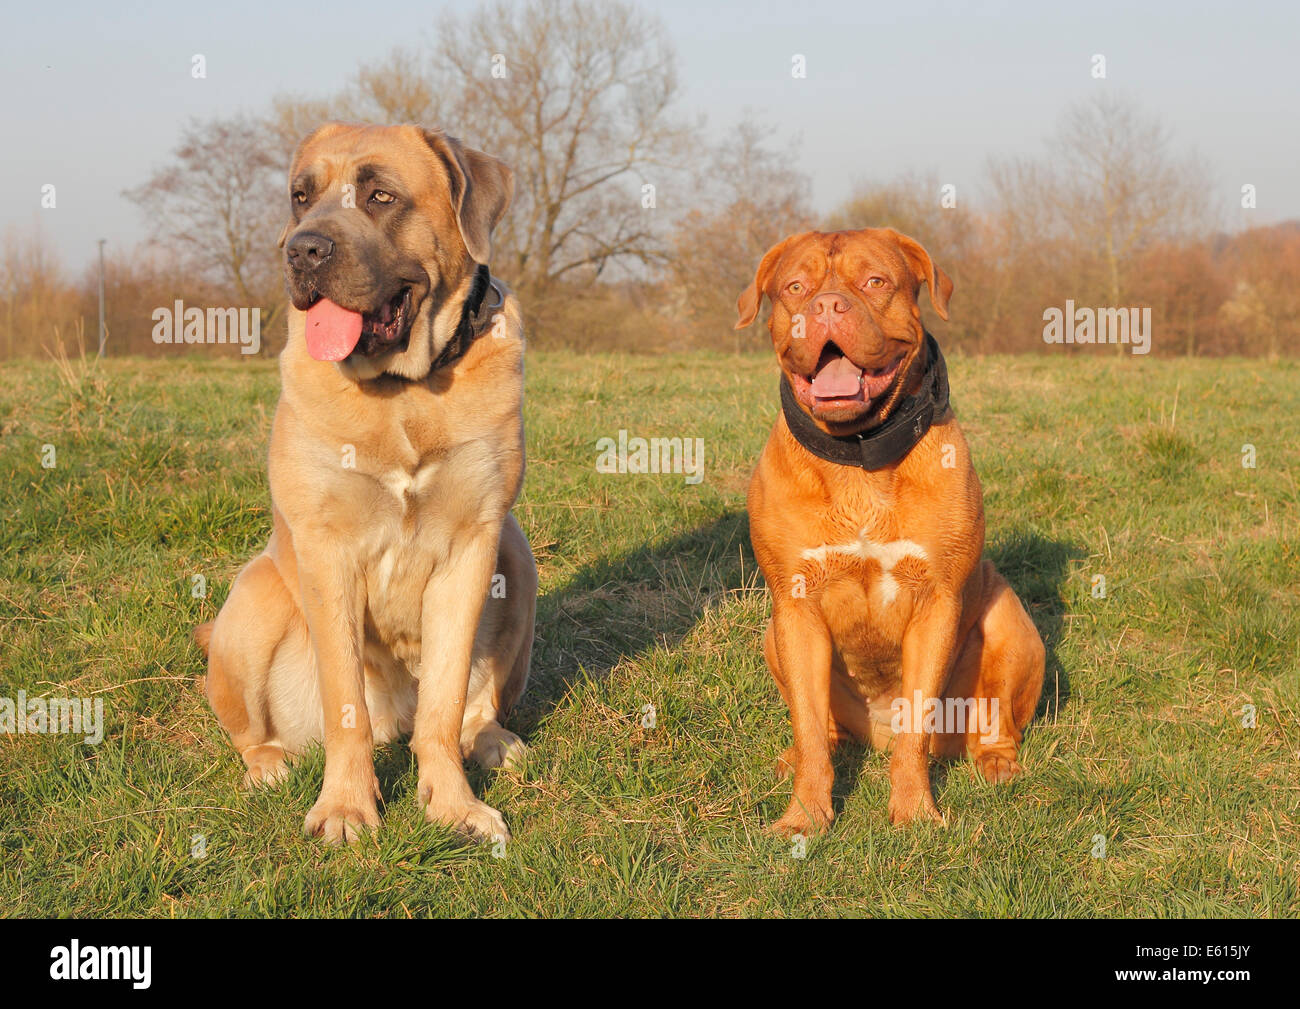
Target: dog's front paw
(340, 819)
(997, 768)
(909, 805)
(475, 820)
(804, 817)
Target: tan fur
(878, 589)
(369, 614)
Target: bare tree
(37, 304)
(401, 88)
(218, 203)
(1081, 221)
(1263, 312)
(576, 98)
(1028, 256)
(1118, 187)
(747, 197)
(292, 117)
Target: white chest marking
(887, 555)
(397, 482)
(407, 488)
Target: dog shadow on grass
(619, 607)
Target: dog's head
(389, 225)
(845, 321)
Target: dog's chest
(417, 522)
(863, 539)
(408, 488)
(866, 582)
(401, 546)
(865, 558)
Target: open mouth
(382, 329)
(335, 333)
(837, 382)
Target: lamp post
(102, 334)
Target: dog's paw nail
(999, 769)
(476, 821)
(900, 817)
(339, 823)
(265, 777)
(801, 820)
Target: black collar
(472, 323)
(889, 442)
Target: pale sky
(94, 96)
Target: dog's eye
(379, 196)
(875, 281)
(795, 287)
(299, 196)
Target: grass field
(1130, 469)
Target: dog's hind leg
(241, 646)
(502, 653)
(1000, 668)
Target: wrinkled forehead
(846, 253)
(390, 157)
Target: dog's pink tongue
(838, 378)
(332, 331)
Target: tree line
(634, 228)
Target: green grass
(1130, 469)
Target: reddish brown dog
(886, 625)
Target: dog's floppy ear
(481, 189)
(751, 299)
(923, 266)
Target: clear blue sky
(93, 96)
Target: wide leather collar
(474, 319)
(891, 441)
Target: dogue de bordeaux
(397, 592)
(867, 520)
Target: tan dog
(868, 522)
(397, 592)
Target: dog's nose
(308, 250)
(836, 303)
